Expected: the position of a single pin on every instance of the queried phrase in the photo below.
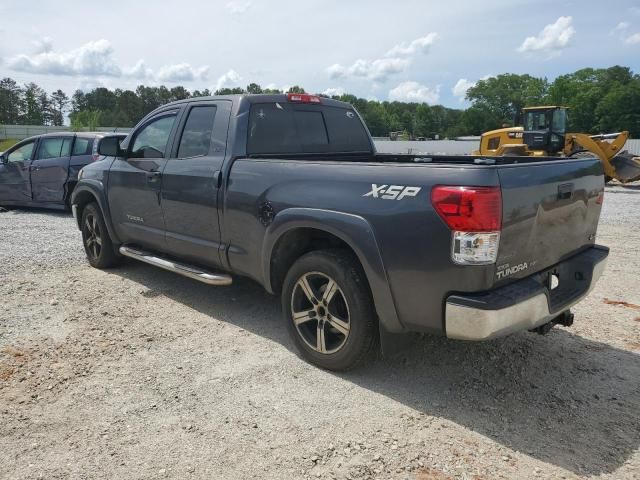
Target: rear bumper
(524, 304)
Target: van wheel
(95, 238)
(329, 309)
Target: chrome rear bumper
(524, 304)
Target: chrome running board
(190, 271)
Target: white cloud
(237, 7)
(378, 69)
(381, 68)
(91, 59)
(633, 39)
(415, 92)
(182, 72)
(228, 80)
(44, 45)
(139, 70)
(461, 87)
(95, 59)
(621, 27)
(338, 91)
(552, 39)
(422, 45)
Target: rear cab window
(290, 128)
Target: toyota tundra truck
(288, 190)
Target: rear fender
(356, 232)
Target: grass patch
(8, 143)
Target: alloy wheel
(320, 312)
(93, 238)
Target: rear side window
(196, 136)
(50, 148)
(82, 146)
(281, 127)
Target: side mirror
(110, 147)
(4, 160)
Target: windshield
(535, 120)
(543, 120)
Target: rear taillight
(474, 214)
(302, 98)
(600, 199)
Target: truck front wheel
(329, 310)
(95, 238)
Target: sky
(408, 50)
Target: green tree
(34, 102)
(254, 88)
(505, 95)
(59, 103)
(11, 96)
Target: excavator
(544, 133)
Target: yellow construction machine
(544, 134)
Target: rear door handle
(153, 175)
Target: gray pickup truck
(289, 191)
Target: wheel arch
(297, 231)
(86, 192)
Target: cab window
(559, 121)
(196, 136)
(22, 153)
(151, 141)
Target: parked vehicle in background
(288, 190)
(42, 171)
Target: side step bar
(190, 271)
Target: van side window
(82, 147)
(196, 136)
(50, 148)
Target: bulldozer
(544, 133)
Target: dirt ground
(140, 373)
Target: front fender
(356, 232)
(96, 189)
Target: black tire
(95, 238)
(346, 324)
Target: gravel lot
(140, 373)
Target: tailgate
(550, 211)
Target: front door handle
(565, 191)
(153, 176)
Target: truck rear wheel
(95, 238)
(329, 309)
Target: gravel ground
(139, 373)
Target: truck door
(14, 173)
(50, 169)
(134, 183)
(191, 182)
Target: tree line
(600, 100)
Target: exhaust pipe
(565, 319)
